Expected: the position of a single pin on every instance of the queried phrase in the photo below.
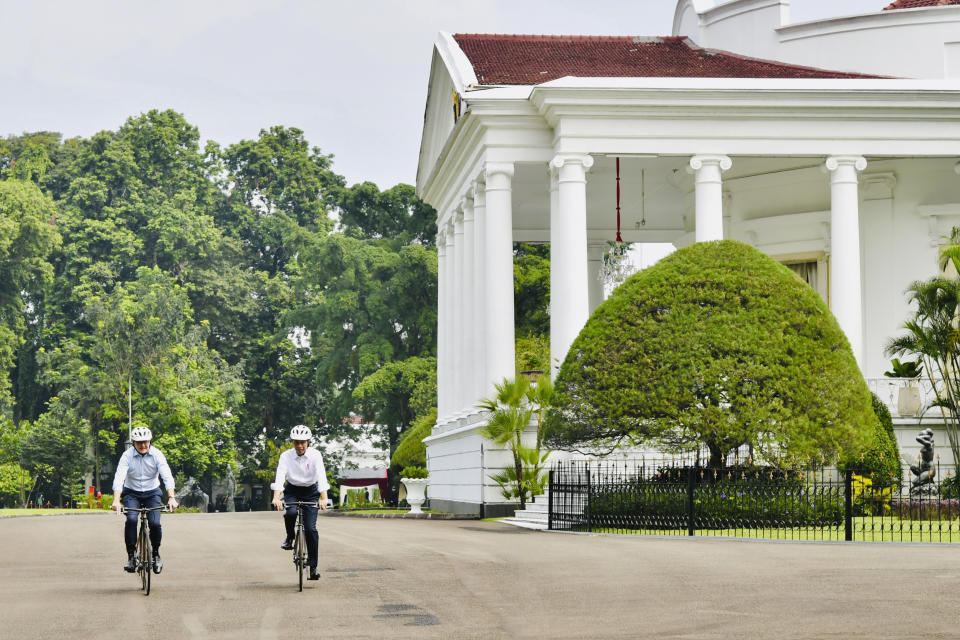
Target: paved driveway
(225, 577)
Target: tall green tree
(147, 363)
(365, 303)
(57, 447)
(279, 190)
(27, 237)
(396, 213)
(396, 394)
(531, 290)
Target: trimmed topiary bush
(880, 461)
(717, 345)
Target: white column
(498, 311)
(443, 319)
(459, 337)
(595, 251)
(450, 369)
(569, 291)
(709, 195)
(468, 306)
(846, 301)
(480, 279)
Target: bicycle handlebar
(144, 509)
(298, 504)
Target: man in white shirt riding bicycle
(306, 481)
(136, 485)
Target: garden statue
(191, 495)
(924, 472)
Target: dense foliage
(411, 451)
(218, 295)
(880, 460)
(716, 346)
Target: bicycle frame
(299, 539)
(143, 554)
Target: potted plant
(909, 399)
(415, 481)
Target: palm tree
(950, 251)
(511, 410)
(933, 335)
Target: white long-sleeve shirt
(302, 471)
(142, 472)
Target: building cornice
(879, 19)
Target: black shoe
(131, 565)
(157, 563)
(287, 544)
(314, 574)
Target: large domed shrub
(717, 345)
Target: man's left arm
(322, 482)
(167, 476)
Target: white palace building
(832, 146)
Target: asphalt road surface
(226, 577)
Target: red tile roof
(530, 59)
(916, 4)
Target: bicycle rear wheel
(145, 559)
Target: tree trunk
(718, 457)
(518, 466)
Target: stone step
(526, 524)
(536, 516)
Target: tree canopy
(715, 346)
(218, 294)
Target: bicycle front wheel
(145, 559)
(301, 555)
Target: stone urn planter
(909, 400)
(416, 492)
(909, 396)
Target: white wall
(906, 43)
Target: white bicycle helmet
(300, 432)
(140, 433)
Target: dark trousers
(138, 500)
(293, 493)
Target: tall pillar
(450, 368)
(595, 251)
(709, 195)
(468, 307)
(480, 289)
(846, 298)
(459, 337)
(569, 291)
(443, 319)
(480, 282)
(498, 310)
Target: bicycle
(300, 539)
(144, 552)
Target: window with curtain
(807, 272)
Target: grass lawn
(383, 511)
(864, 530)
(44, 512)
(54, 511)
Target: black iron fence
(668, 497)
